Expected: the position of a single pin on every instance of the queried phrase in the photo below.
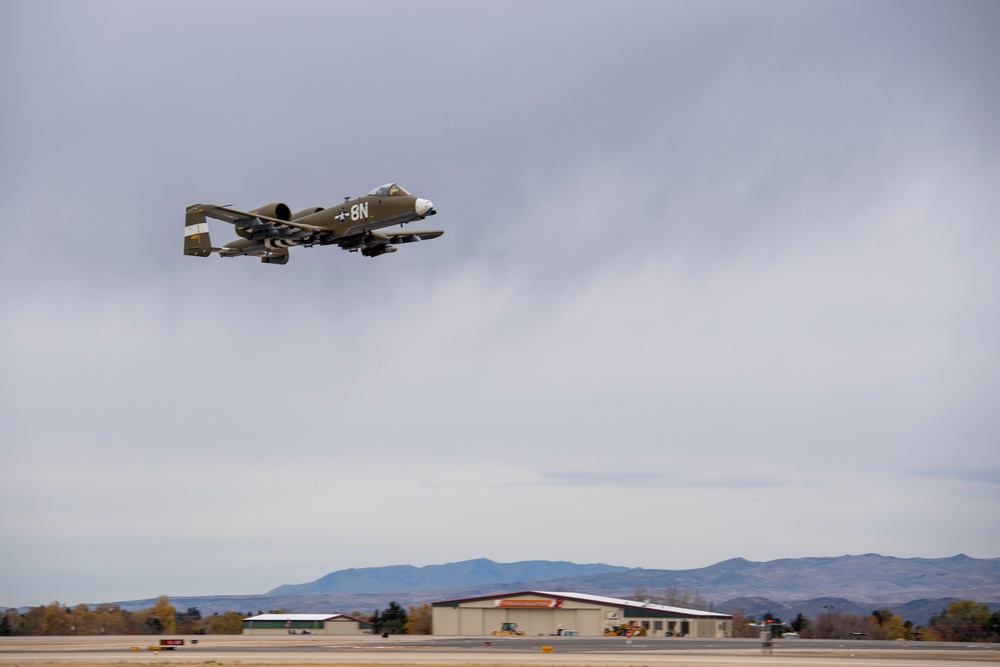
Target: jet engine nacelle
(276, 210)
(306, 211)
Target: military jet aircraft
(269, 231)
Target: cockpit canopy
(388, 190)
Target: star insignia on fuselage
(341, 216)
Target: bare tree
(686, 598)
(741, 625)
(838, 625)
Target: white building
(553, 613)
(305, 624)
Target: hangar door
(527, 621)
(535, 622)
(586, 621)
(470, 622)
(589, 622)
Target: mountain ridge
(473, 572)
(856, 584)
(867, 578)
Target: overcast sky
(718, 279)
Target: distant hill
(916, 588)
(451, 575)
(870, 578)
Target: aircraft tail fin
(196, 239)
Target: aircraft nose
(423, 206)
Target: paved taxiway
(224, 650)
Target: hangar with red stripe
(560, 613)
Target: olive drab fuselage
(392, 210)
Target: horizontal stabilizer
(248, 219)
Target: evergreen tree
(993, 627)
(392, 620)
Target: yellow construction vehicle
(626, 630)
(507, 629)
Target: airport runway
(232, 650)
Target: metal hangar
(558, 613)
(305, 624)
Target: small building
(560, 613)
(305, 624)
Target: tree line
(961, 621)
(110, 619)
(164, 619)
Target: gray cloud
(705, 262)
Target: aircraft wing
(244, 219)
(373, 244)
(411, 237)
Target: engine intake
(306, 211)
(276, 210)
